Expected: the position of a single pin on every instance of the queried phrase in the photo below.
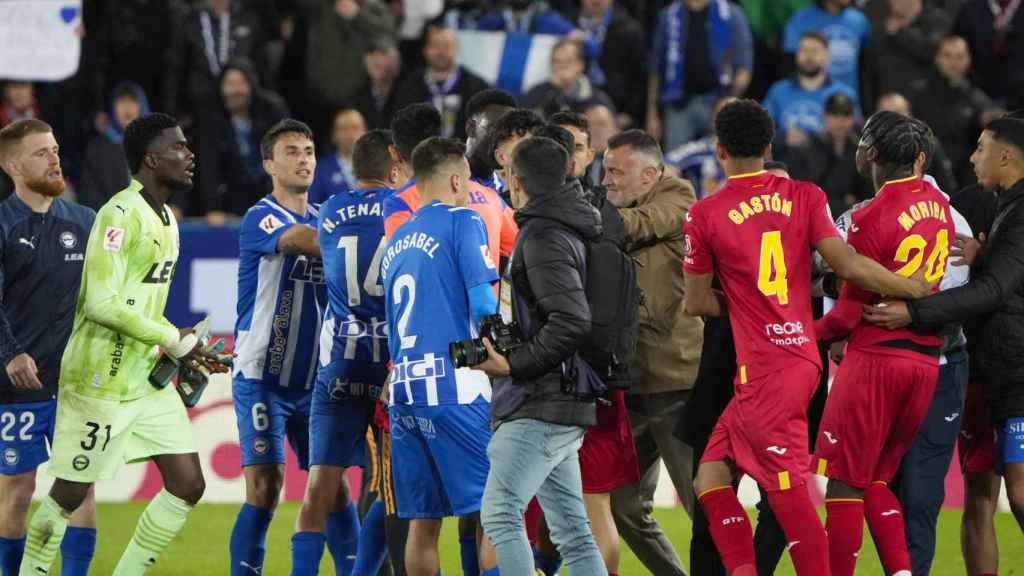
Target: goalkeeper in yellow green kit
(108, 412)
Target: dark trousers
(920, 482)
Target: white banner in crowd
(511, 61)
(40, 39)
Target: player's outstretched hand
(891, 314)
(496, 365)
(23, 372)
(966, 249)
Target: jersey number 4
(372, 285)
(771, 273)
(911, 250)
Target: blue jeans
(532, 457)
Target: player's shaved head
(371, 159)
(441, 171)
(1009, 132)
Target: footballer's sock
(76, 551)
(845, 529)
(160, 523)
(805, 536)
(549, 565)
(470, 556)
(490, 572)
(45, 532)
(248, 540)
(307, 549)
(11, 551)
(730, 529)
(343, 538)
(885, 520)
(372, 548)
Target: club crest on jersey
(68, 239)
(270, 223)
(113, 237)
(10, 456)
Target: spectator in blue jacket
(846, 29)
(797, 104)
(702, 51)
(334, 171)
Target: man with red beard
(42, 249)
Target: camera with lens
(504, 337)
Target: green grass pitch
(202, 548)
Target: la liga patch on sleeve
(270, 223)
(113, 238)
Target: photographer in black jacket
(542, 400)
(993, 298)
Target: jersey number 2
(771, 273)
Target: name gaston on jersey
(758, 204)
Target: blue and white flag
(512, 61)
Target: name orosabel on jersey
(428, 267)
(281, 300)
(352, 242)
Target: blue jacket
(41, 259)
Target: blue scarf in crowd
(676, 23)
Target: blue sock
(11, 552)
(491, 572)
(307, 548)
(76, 551)
(372, 548)
(343, 538)
(470, 560)
(549, 565)
(248, 540)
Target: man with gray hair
(653, 206)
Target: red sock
(845, 529)
(730, 529)
(885, 519)
(805, 536)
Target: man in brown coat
(653, 207)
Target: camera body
(504, 337)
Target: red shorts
(608, 455)
(977, 441)
(874, 409)
(763, 430)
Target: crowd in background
(229, 69)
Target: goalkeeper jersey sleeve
(119, 318)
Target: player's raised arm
(866, 273)
(299, 239)
(106, 265)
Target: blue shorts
(265, 417)
(26, 431)
(439, 458)
(342, 409)
(1010, 443)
